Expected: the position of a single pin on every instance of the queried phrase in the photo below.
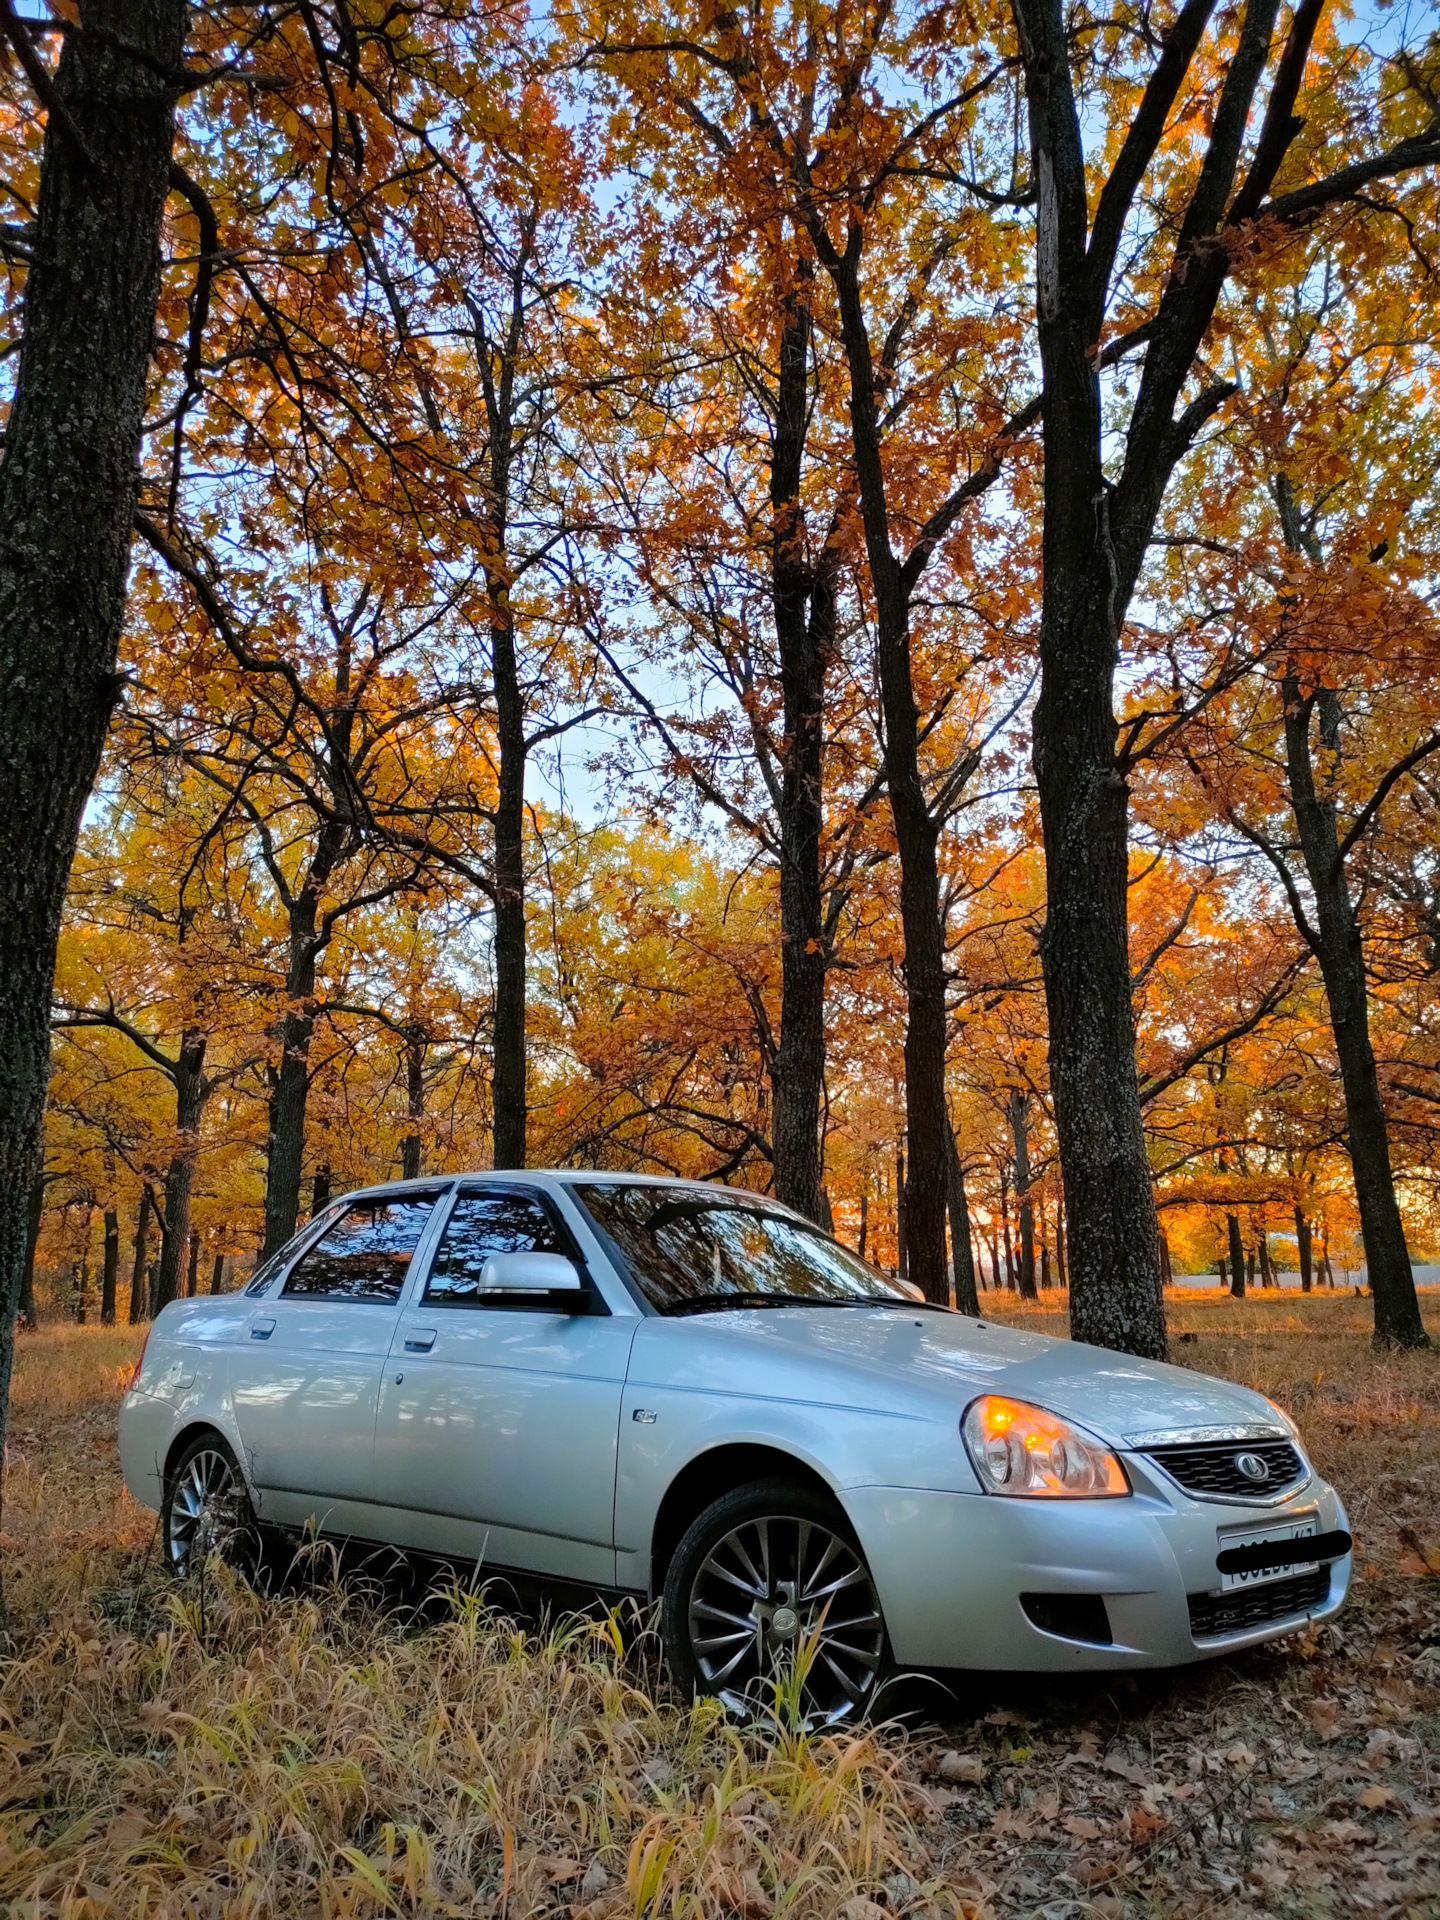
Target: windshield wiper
(720, 1302)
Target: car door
(306, 1375)
(496, 1434)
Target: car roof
(565, 1175)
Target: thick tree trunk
(111, 1277)
(67, 497)
(191, 1092)
(1250, 1269)
(1341, 955)
(1304, 1251)
(192, 1276)
(217, 1274)
(902, 1219)
(1237, 1256)
(803, 599)
(138, 1300)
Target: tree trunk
(67, 496)
(1304, 1250)
(1325, 1266)
(1237, 1256)
(962, 1259)
(138, 1300)
(191, 1092)
(414, 1102)
(902, 1219)
(1339, 950)
(995, 1262)
(1262, 1251)
(217, 1274)
(508, 1084)
(1060, 1269)
(290, 1081)
(864, 1219)
(1019, 1108)
(112, 1268)
(1224, 1275)
(192, 1276)
(319, 1191)
(803, 597)
(1167, 1276)
(34, 1210)
(917, 831)
(1250, 1269)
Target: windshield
(691, 1251)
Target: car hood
(932, 1364)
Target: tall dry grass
(186, 1750)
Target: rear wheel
(768, 1579)
(207, 1510)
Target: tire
(775, 1551)
(207, 1510)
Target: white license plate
(1295, 1530)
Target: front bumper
(951, 1567)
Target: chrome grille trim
(1206, 1471)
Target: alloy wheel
(766, 1589)
(208, 1510)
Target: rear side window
(483, 1224)
(366, 1254)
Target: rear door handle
(420, 1339)
(261, 1329)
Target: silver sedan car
(686, 1392)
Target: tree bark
(67, 497)
(192, 1276)
(138, 1300)
(1336, 941)
(508, 1084)
(902, 1219)
(1304, 1251)
(803, 596)
(1262, 1251)
(191, 1092)
(112, 1268)
(410, 1162)
(34, 1210)
(1237, 1256)
(962, 1258)
(864, 1219)
(217, 1274)
(290, 1081)
(917, 831)
(1018, 1110)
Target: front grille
(1216, 1613)
(1212, 1469)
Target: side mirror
(529, 1273)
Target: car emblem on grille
(1252, 1466)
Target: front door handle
(261, 1329)
(420, 1339)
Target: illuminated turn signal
(1020, 1449)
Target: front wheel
(770, 1581)
(207, 1510)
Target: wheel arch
(185, 1436)
(709, 1475)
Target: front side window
(481, 1225)
(265, 1273)
(366, 1254)
(693, 1251)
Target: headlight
(1020, 1449)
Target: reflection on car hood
(932, 1365)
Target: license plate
(1294, 1530)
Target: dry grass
(187, 1751)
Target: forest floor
(195, 1751)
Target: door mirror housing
(529, 1273)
